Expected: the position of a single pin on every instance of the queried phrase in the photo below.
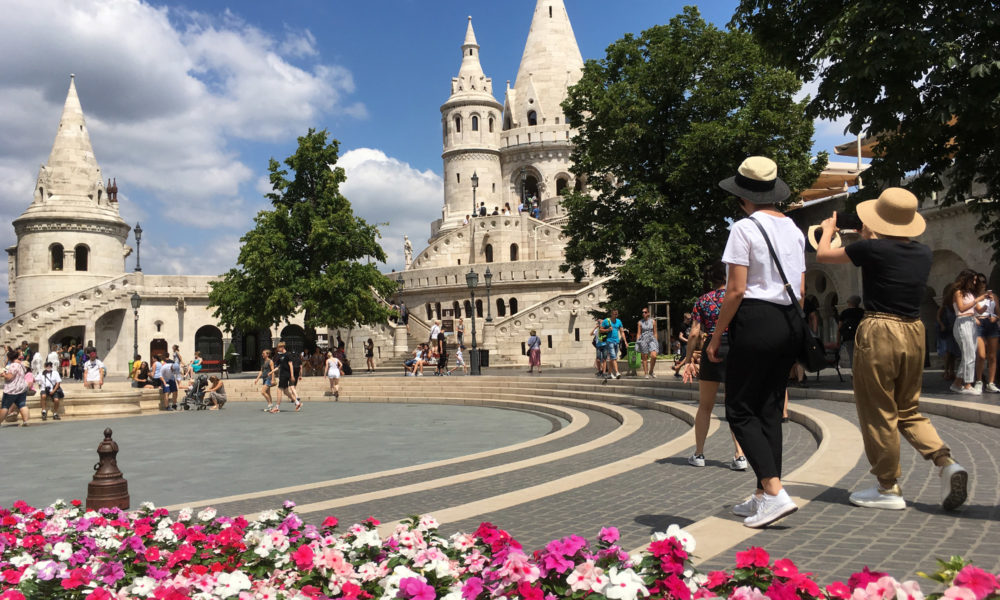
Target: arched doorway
(294, 338)
(157, 347)
(250, 345)
(67, 336)
(208, 341)
(513, 306)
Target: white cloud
(383, 189)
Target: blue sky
(186, 101)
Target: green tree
(923, 75)
(661, 120)
(307, 254)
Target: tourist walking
(889, 370)
(614, 326)
(286, 376)
(51, 384)
(93, 371)
(370, 355)
(460, 331)
(705, 315)
(459, 360)
(647, 345)
(600, 336)
(965, 301)
(758, 314)
(441, 350)
(15, 388)
(333, 366)
(534, 352)
(265, 376)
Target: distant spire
(551, 61)
(72, 167)
(470, 36)
(471, 80)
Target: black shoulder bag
(811, 354)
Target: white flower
(695, 580)
(267, 515)
(370, 571)
(624, 585)
(428, 522)
(454, 593)
(62, 550)
(148, 506)
(184, 515)
(143, 586)
(685, 538)
(368, 537)
(165, 535)
(165, 523)
(231, 584)
(22, 559)
(207, 514)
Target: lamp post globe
(138, 243)
(136, 301)
(488, 278)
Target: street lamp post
(472, 279)
(138, 241)
(524, 198)
(488, 277)
(475, 184)
(136, 303)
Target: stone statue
(407, 251)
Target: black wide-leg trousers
(762, 350)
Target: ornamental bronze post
(108, 488)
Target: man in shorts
(51, 384)
(601, 344)
(613, 325)
(286, 376)
(93, 372)
(169, 370)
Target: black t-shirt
(849, 319)
(285, 365)
(893, 274)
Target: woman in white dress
(333, 366)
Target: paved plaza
(542, 457)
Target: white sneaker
(648, 376)
(978, 386)
(739, 464)
(954, 486)
(746, 508)
(876, 497)
(992, 387)
(653, 375)
(618, 375)
(971, 391)
(770, 509)
(955, 388)
(696, 460)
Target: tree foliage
(308, 254)
(661, 120)
(923, 75)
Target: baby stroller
(195, 396)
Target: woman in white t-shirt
(759, 315)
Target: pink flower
(12, 595)
(838, 589)
(882, 589)
(863, 578)
(12, 576)
(526, 592)
(677, 588)
(911, 589)
(609, 535)
(472, 588)
(586, 577)
(413, 588)
(329, 523)
(979, 581)
(747, 593)
(784, 567)
(752, 557)
(99, 594)
(959, 593)
(303, 557)
(516, 567)
(716, 578)
(782, 591)
(76, 578)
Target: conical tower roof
(71, 180)
(471, 83)
(551, 62)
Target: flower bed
(63, 551)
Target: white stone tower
(535, 135)
(470, 122)
(71, 237)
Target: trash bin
(634, 358)
(484, 357)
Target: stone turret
(470, 122)
(71, 237)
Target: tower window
(458, 177)
(57, 257)
(470, 51)
(561, 185)
(494, 188)
(488, 252)
(512, 305)
(491, 124)
(513, 252)
(82, 255)
(501, 308)
(532, 118)
(550, 16)
(475, 123)
(458, 124)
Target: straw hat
(816, 232)
(893, 213)
(757, 180)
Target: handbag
(811, 354)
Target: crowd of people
(435, 353)
(968, 334)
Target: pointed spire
(551, 62)
(72, 168)
(471, 80)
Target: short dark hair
(47, 364)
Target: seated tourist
(215, 393)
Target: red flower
(152, 554)
(781, 591)
(99, 594)
(372, 521)
(526, 592)
(752, 557)
(303, 557)
(980, 582)
(329, 523)
(12, 595)
(862, 579)
(77, 577)
(75, 502)
(676, 588)
(12, 576)
(349, 591)
(838, 589)
(784, 567)
(311, 591)
(716, 579)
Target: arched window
(82, 257)
(456, 309)
(491, 124)
(513, 306)
(501, 309)
(578, 186)
(208, 341)
(458, 124)
(56, 253)
(437, 310)
(475, 123)
(532, 118)
(513, 252)
(488, 252)
(430, 311)
(479, 308)
(468, 309)
(561, 185)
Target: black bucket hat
(757, 180)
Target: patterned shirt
(706, 310)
